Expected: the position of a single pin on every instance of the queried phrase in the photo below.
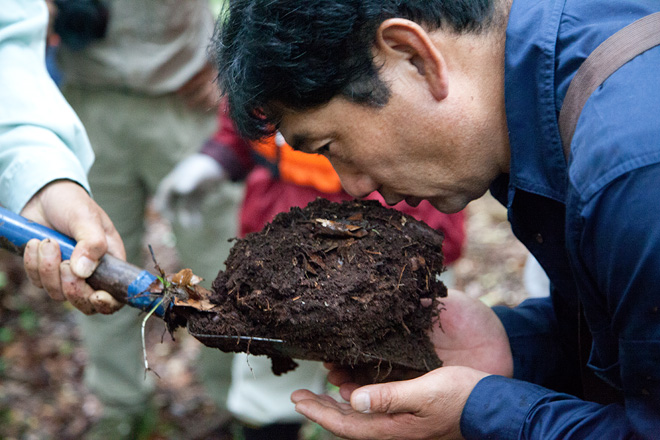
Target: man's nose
(357, 185)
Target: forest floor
(42, 395)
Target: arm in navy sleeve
(620, 247)
(533, 335)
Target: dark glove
(180, 194)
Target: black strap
(632, 40)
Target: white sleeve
(41, 137)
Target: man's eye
(324, 150)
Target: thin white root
(144, 344)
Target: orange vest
(299, 168)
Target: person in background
(138, 74)
(44, 157)
(278, 178)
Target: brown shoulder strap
(632, 40)
(613, 53)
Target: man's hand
(428, 407)
(180, 194)
(52, 15)
(66, 207)
(470, 334)
(201, 92)
(472, 343)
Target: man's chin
(413, 201)
(448, 206)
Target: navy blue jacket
(594, 226)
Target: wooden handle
(126, 282)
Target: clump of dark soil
(353, 283)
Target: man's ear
(403, 40)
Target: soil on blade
(347, 283)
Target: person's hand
(467, 334)
(428, 407)
(180, 194)
(201, 92)
(66, 207)
(52, 15)
(470, 334)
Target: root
(398, 284)
(144, 344)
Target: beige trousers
(137, 140)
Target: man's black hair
(299, 54)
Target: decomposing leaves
(338, 229)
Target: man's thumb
(90, 247)
(83, 266)
(383, 398)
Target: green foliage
(4, 280)
(6, 335)
(66, 348)
(166, 284)
(28, 320)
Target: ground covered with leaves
(41, 359)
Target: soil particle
(342, 283)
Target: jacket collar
(537, 160)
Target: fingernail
(48, 248)
(362, 402)
(84, 267)
(66, 274)
(100, 303)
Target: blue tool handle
(127, 283)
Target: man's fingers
(90, 247)
(421, 408)
(65, 206)
(48, 260)
(300, 395)
(204, 97)
(104, 303)
(200, 91)
(82, 265)
(115, 245)
(31, 263)
(340, 376)
(346, 390)
(76, 291)
(324, 399)
(94, 239)
(330, 400)
(345, 422)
